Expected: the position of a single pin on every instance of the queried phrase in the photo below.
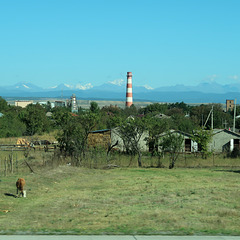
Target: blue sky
(163, 42)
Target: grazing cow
(20, 185)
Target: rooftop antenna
(225, 124)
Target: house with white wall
(224, 140)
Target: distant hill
(116, 90)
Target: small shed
(224, 140)
(99, 138)
(188, 145)
(142, 142)
(108, 137)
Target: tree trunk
(172, 163)
(139, 159)
(159, 164)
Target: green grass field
(71, 200)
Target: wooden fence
(17, 147)
(9, 165)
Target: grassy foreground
(72, 200)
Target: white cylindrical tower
(74, 103)
(129, 95)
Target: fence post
(16, 164)
(11, 160)
(5, 164)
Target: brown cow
(20, 185)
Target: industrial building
(229, 105)
(22, 103)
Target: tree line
(17, 121)
(72, 129)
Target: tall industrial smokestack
(129, 96)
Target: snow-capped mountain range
(116, 90)
(71, 87)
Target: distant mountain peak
(25, 86)
(67, 85)
(53, 87)
(84, 87)
(22, 84)
(117, 82)
(148, 87)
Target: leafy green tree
(130, 111)
(114, 121)
(94, 108)
(182, 123)
(172, 143)
(112, 110)
(175, 111)
(183, 106)
(108, 115)
(3, 105)
(47, 107)
(34, 117)
(59, 114)
(156, 127)
(237, 123)
(131, 131)
(70, 135)
(203, 138)
(219, 117)
(88, 123)
(74, 133)
(201, 113)
(11, 125)
(155, 108)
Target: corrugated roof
(216, 131)
(99, 131)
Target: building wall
(221, 141)
(115, 137)
(191, 145)
(229, 105)
(22, 104)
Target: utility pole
(210, 113)
(212, 119)
(234, 117)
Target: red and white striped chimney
(129, 96)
